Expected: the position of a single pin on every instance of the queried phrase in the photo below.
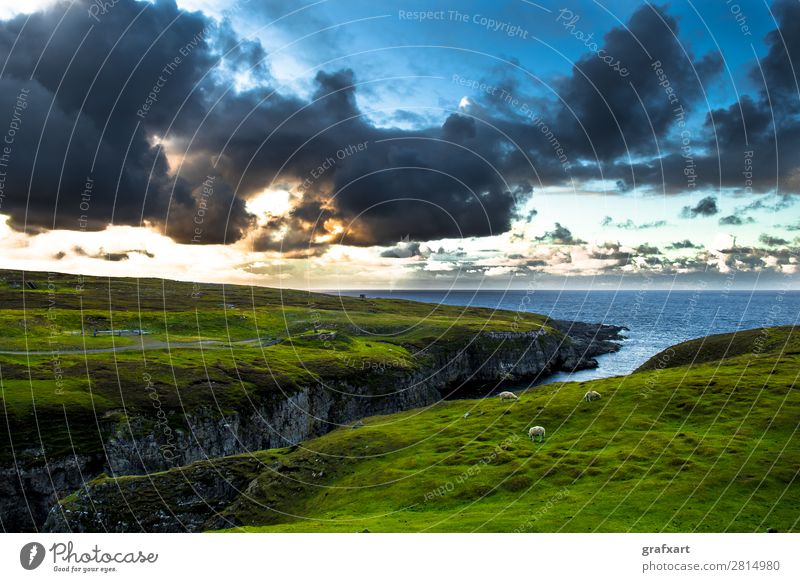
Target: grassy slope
(705, 447)
(98, 390)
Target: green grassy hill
(61, 392)
(708, 446)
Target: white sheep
(536, 431)
(591, 395)
(507, 396)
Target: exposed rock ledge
(311, 411)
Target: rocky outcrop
(478, 366)
(28, 490)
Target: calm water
(656, 319)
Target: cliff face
(315, 410)
(27, 491)
(30, 490)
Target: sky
(412, 144)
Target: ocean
(655, 319)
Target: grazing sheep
(507, 396)
(591, 395)
(536, 431)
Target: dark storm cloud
(87, 153)
(772, 241)
(404, 250)
(733, 220)
(705, 207)
(608, 115)
(760, 258)
(83, 157)
(683, 244)
(769, 204)
(623, 186)
(630, 225)
(113, 257)
(379, 184)
(458, 128)
(415, 183)
(646, 249)
(560, 235)
(611, 122)
(752, 145)
(612, 251)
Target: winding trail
(148, 345)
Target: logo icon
(31, 555)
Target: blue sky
(359, 31)
(500, 144)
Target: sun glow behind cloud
(269, 203)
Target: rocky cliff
(31, 489)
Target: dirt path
(148, 345)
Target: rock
(309, 411)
